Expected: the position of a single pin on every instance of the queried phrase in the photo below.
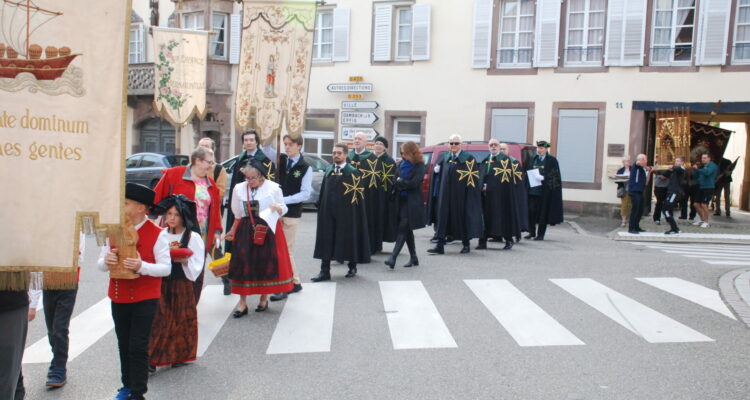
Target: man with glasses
(545, 200)
(342, 231)
(456, 199)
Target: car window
(317, 164)
(150, 161)
(132, 161)
(479, 154)
(427, 158)
(178, 161)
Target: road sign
(359, 105)
(348, 133)
(358, 118)
(350, 87)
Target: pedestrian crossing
(714, 254)
(306, 321)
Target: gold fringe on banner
(15, 281)
(61, 280)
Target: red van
(523, 152)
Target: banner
(180, 74)
(63, 85)
(274, 69)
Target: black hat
(139, 193)
(382, 140)
(187, 210)
(542, 143)
(257, 164)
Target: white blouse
(194, 266)
(268, 193)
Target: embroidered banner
(180, 75)
(274, 69)
(63, 86)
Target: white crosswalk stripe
(714, 254)
(305, 324)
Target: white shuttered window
(741, 53)
(401, 33)
(576, 144)
(481, 34)
(136, 52)
(382, 33)
(547, 33)
(714, 31)
(341, 34)
(323, 37)
(235, 32)
(218, 47)
(420, 46)
(673, 32)
(585, 32)
(626, 31)
(515, 36)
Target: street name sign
(348, 133)
(350, 87)
(359, 105)
(358, 118)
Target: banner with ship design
(274, 72)
(63, 85)
(180, 74)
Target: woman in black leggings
(411, 214)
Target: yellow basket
(220, 267)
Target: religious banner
(274, 69)
(63, 84)
(180, 74)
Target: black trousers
(13, 327)
(58, 308)
(133, 328)
(325, 265)
(671, 201)
(660, 193)
(404, 234)
(723, 187)
(636, 212)
(693, 193)
(535, 206)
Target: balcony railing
(514, 58)
(591, 56)
(141, 79)
(741, 53)
(666, 55)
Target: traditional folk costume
(545, 200)
(259, 268)
(366, 164)
(342, 232)
(205, 193)
(135, 301)
(503, 200)
(455, 184)
(174, 336)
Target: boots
(391, 261)
(413, 260)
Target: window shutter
(235, 27)
(481, 34)
(420, 31)
(340, 34)
(142, 41)
(714, 30)
(634, 33)
(547, 33)
(382, 34)
(615, 32)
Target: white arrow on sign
(358, 118)
(348, 133)
(359, 105)
(350, 87)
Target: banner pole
(178, 140)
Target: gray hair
(200, 153)
(456, 136)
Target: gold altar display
(274, 71)
(672, 137)
(63, 81)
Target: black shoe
(436, 250)
(179, 364)
(508, 245)
(529, 236)
(239, 314)
(539, 238)
(352, 272)
(718, 213)
(413, 261)
(465, 249)
(391, 262)
(261, 308)
(279, 296)
(640, 230)
(322, 277)
(297, 288)
(634, 232)
(481, 246)
(727, 214)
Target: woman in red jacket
(194, 182)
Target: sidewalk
(734, 229)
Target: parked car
(318, 165)
(523, 152)
(147, 168)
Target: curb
(734, 287)
(577, 228)
(618, 235)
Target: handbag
(259, 231)
(621, 192)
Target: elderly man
(639, 176)
(366, 164)
(504, 196)
(457, 202)
(545, 200)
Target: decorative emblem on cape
(508, 172)
(386, 174)
(269, 166)
(354, 189)
(469, 174)
(296, 174)
(373, 174)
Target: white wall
(736, 148)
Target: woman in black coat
(411, 213)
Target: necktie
(338, 170)
(289, 163)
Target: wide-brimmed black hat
(542, 143)
(139, 193)
(382, 140)
(257, 164)
(185, 207)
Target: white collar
(140, 224)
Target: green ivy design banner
(180, 74)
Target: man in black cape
(504, 196)
(342, 231)
(459, 207)
(383, 226)
(366, 163)
(545, 200)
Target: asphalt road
(487, 362)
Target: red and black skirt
(265, 269)
(174, 335)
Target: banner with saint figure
(274, 72)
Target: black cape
(504, 199)
(385, 200)
(342, 232)
(238, 177)
(366, 164)
(551, 212)
(456, 211)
